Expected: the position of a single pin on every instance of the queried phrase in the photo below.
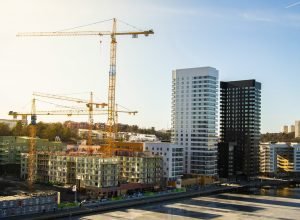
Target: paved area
(223, 206)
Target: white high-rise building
(194, 118)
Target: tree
(5, 130)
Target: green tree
(5, 130)
(19, 129)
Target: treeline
(279, 137)
(43, 130)
(66, 134)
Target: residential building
(240, 128)
(172, 155)
(296, 148)
(225, 167)
(11, 148)
(297, 129)
(37, 203)
(99, 174)
(140, 167)
(279, 159)
(90, 170)
(194, 118)
(96, 134)
(292, 128)
(285, 129)
(136, 137)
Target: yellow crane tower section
(111, 120)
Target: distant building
(279, 159)
(194, 120)
(136, 137)
(172, 158)
(297, 129)
(292, 128)
(239, 128)
(285, 129)
(11, 123)
(96, 134)
(76, 125)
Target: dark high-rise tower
(239, 129)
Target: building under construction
(11, 148)
(96, 172)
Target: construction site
(112, 168)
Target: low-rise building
(172, 155)
(136, 137)
(279, 159)
(87, 170)
(28, 204)
(99, 174)
(96, 134)
(11, 148)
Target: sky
(253, 39)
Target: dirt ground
(10, 186)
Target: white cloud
(293, 5)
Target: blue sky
(243, 39)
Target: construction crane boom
(82, 33)
(67, 98)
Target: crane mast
(112, 85)
(91, 120)
(32, 146)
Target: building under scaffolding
(11, 148)
(74, 168)
(97, 172)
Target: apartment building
(172, 155)
(194, 118)
(240, 114)
(62, 168)
(95, 170)
(279, 159)
(140, 167)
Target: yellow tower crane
(70, 112)
(111, 120)
(32, 148)
(89, 104)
